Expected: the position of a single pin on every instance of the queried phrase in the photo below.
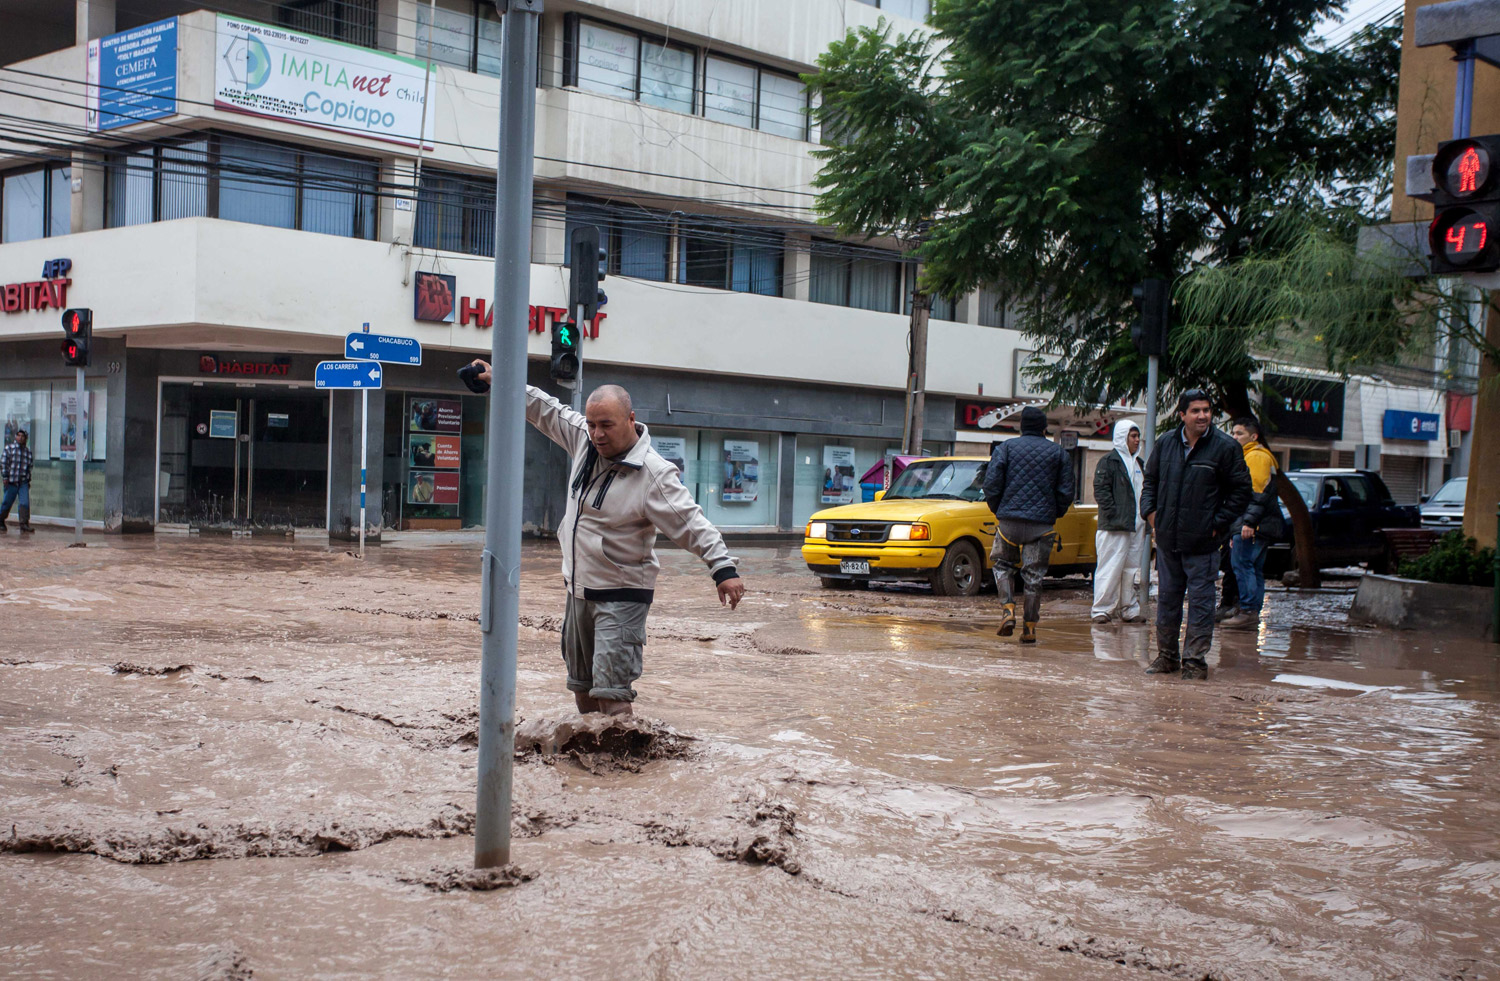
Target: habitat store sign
(132, 76)
(273, 72)
(1399, 424)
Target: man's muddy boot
(586, 703)
(26, 520)
(1226, 611)
(3, 515)
(1194, 670)
(1007, 621)
(1028, 632)
(1164, 664)
(610, 706)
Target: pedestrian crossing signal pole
(500, 592)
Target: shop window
(732, 475)
(351, 21)
(35, 203)
(239, 179)
(49, 411)
(615, 61)
(828, 469)
(720, 257)
(636, 240)
(462, 33)
(854, 278)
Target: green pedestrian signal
(564, 365)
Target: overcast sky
(1357, 13)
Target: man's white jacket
(616, 508)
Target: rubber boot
(1007, 621)
(3, 515)
(1164, 664)
(1194, 669)
(26, 519)
(1028, 632)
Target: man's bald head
(605, 394)
(611, 421)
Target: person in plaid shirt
(15, 470)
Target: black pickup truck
(1349, 508)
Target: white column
(91, 19)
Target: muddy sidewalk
(235, 759)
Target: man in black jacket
(1196, 486)
(1029, 485)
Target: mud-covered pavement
(235, 760)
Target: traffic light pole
(1153, 366)
(500, 599)
(578, 378)
(79, 443)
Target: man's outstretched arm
(551, 418)
(675, 514)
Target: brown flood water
(225, 760)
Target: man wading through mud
(1196, 486)
(1029, 485)
(622, 493)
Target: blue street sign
(382, 347)
(347, 374)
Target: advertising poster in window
(433, 452)
(741, 471)
(66, 425)
(17, 411)
(434, 455)
(434, 487)
(673, 449)
(429, 415)
(301, 78)
(838, 475)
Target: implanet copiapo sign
(273, 72)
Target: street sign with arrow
(382, 347)
(347, 374)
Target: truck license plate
(855, 567)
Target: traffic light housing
(78, 331)
(1465, 230)
(564, 351)
(586, 272)
(1153, 302)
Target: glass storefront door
(243, 455)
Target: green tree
(1066, 149)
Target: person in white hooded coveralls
(1121, 538)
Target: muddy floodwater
(235, 760)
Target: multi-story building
(233, 188)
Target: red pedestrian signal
(78, 332)
(1466, 199)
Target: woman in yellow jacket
(1260, 525)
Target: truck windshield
(958, 480)
(1451, 493)
(1307, 486)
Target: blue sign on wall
(1399, 424)
(133, 75)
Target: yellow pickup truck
(932, 526)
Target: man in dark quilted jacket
(1196, 485)
(1029, 485)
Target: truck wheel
(961, 572)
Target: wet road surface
(234, 759)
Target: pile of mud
(602, 743)
(469, 880)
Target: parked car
(1444, 511)
(1349, 508)
(931, 526)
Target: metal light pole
(1153, 365)
(79, 445)
(500, 601)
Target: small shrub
(1456, 560)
